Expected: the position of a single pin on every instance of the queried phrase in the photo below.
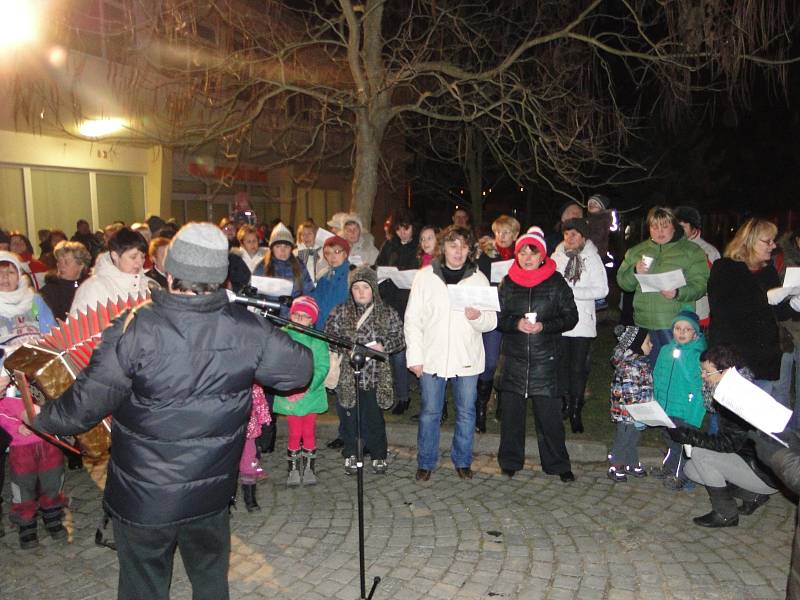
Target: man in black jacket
(176, 374)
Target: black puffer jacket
(732, 438)
(176, 377)
(527, 364)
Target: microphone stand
(359, 354)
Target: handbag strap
(365, 316)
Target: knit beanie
(598, 199)
(630, 338)
(532, 238)
(690, 215)
(306, 305)
(579, 225)
(336, 240)
(198, 253)
(280, 235)
(689, 316)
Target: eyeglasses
(704, 373)
(768, 242)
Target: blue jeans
(465, 392)
(491, 349)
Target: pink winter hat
(306, 305)
(533, 238)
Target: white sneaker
(379, 466)
(350, 465)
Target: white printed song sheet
(792, 277)
(650, 413)
(272, 286)
(402, 279)
(479, 297)
(500, 270)
(322, 235)
(751, 403)
(661, 282)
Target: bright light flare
(96, 128)
(57, 56)
(19, 23)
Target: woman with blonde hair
(72, 268)
(747, 300)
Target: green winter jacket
(677, 384)
(652, 310)
(315, 400)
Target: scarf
(18, 302)
(574, 268)
(533, 277)
(505, 253)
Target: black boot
(249, 494)
(575, 420)
(482, 405)
(750, 501)
(28, 536)
(401, 407)
(723, 509)
(52, 522)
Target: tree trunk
(473, 167)
(365, 173)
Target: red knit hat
(336, 240)
(533, 238)
(306, 305)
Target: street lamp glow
(18, 24)
(95, 128)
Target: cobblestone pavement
(531, 537)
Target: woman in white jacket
(118, 273)
(445, 345)
(579, 262)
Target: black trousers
(573, 366)
(549, 433)
(146, 555)
(373, 427)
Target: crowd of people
(673, 347)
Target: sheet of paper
(404, 279)
(751, 403)
(650, 413)
(659, 282)
(355, 260)
(272, 286)
(480, 297)
(385, 273)
(792, 277)
(500, 270)
(322, 235)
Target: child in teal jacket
(302, 407)
(678, 387)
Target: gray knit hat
(198, 253)
(281, 235)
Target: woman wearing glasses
(747, 300)
(725, 463)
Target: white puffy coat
(444, 341)
(108, 283)
(593, 285)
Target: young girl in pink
(250, 470)
(37, 477)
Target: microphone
(255, 302)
